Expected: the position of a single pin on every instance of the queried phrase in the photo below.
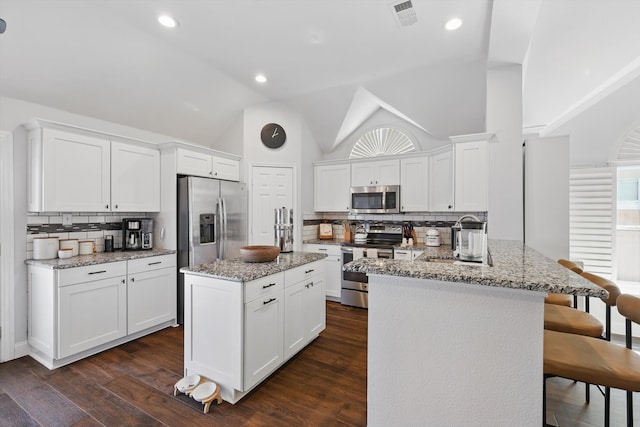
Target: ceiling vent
(404, 13)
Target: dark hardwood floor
(324, 385)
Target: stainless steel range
(381, 237)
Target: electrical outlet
(66, 219)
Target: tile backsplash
(84, 226)
(442, 221)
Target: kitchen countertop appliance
(469, 239)
(137, 234)
(212, 224)
(283, 229)
(378, 239)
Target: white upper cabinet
(441, 182)
(472, 176)
(331, 186)
(414, 187)
(68, 172)
(84, 172)
(135, 178)
(196, 163)
(382, 172)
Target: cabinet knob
(216, 174)
(106, 206)
(133, 279)
(450, 206)
(116, 206)
(122, 281)
(211, 173)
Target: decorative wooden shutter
(592, 218)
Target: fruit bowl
(259, 253)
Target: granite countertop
(515, 266)
(97, 258)
(238, 271)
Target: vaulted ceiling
(335, 61)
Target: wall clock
(273, 135)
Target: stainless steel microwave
(375, 199)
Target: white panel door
(414, 190)
(135, 178)
(271, 188)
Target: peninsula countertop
(515, 266)
(238, 271)
(97, 258)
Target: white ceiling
(335, 61)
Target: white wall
(299, 150)
(504, 118)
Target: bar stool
(596, 361)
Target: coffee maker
(137, 233)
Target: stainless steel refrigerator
(212, 224)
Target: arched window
(382, 141)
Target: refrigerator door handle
(222, 233)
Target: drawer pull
(309, 285)
(322, 249)
(270, 300)
(155, 263)
(268, 286)
(97, 272)
(308, 271)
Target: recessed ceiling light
(167, 21)
(261, 78)
(453, 24)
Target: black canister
(108, 243)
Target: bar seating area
(578, 347)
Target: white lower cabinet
(332, 267)
(304, 307)
(151, 292)
(237, 334)
(263, 350)
(76, 312)
(91, 314)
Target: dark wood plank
(323, 385)
(13, 415)
(159, 405)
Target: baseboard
(21, 349)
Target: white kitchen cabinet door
(135, 178)
(362, 174)
(387, 172)
(91, 314)
(441, 182)
(382, 172)
(263, 337)
(151, 298)
(213, 329)
(414, 184)
(314, 307)
(294, 319)
(68, 172)
(332, 188)
(226, 169)
(471, 176)
(332, 267)
(194, 163)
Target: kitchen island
(454, 344)
(244, 320)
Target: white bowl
(203, 391)
(188, 383)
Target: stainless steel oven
(355, 285)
